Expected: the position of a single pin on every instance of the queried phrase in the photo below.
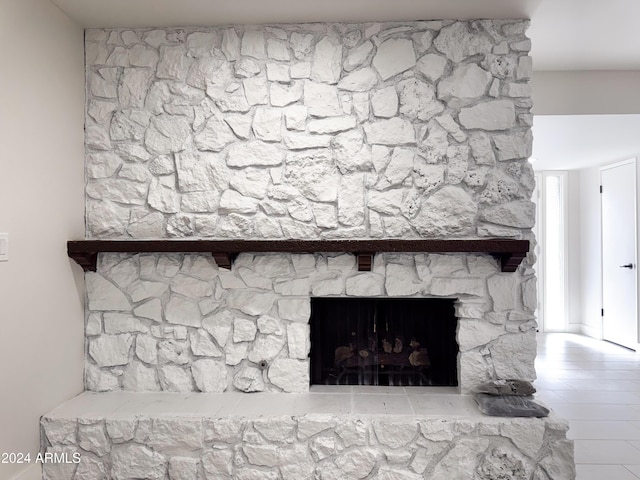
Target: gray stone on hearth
(394, 56)
(507, 387)
(509, 406)
(457, 163)
(327, 60)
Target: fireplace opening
(389, 342)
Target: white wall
(586, 92)
(41, 207)
(590, 252)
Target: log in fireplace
(388, 341)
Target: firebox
(383, 341)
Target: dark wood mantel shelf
(509, 252)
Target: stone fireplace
(417, 130)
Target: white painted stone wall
(314, 446)
(179, 323)
(417, 129)
(381, 130)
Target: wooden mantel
(509, 252)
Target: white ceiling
(565, 34)
(567, 142)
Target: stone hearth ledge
(329, 433)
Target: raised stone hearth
(417, 130)
(328, 435)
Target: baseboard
(574, 328)
(593, 332)
(32, 472)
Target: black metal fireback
(389, 341)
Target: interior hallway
(596, 386)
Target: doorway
(619, 263)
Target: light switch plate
(4, 247)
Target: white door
(619, 268)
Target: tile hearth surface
(334, 400)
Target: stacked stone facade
(310, 131)
(412, 130)
(178, 323)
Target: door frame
(609, 166)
